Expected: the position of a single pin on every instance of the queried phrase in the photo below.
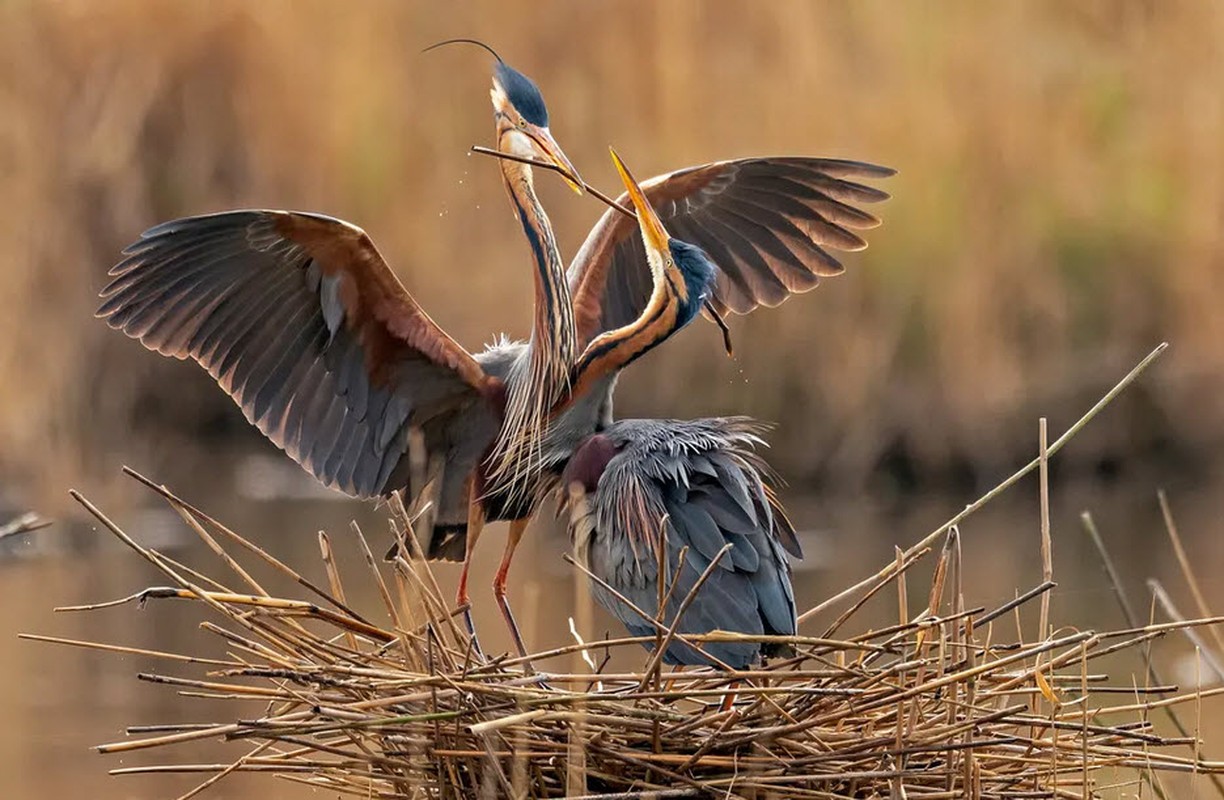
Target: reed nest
(951, 702)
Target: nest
(953, 702)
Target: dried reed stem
(940, 705)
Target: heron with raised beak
(693, 496)
(300, 319)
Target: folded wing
(703, 477)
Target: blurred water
(58, 702)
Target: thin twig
(548, 165)
(1006, 484)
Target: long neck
(544, 378)
(553, 335)
(613, 350)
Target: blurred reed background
(1057, 213)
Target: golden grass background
(1058, 210)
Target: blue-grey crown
(699, 273)
(523, 94)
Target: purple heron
(303, 323)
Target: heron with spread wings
(766, 223)
(300, 319)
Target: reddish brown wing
(768, 223)
(302, 322)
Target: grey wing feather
(702, 474)
(691, 524)
(768, 224)
(267, 317)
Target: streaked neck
(552, 331)
(614, 350)
(551, 350)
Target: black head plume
(476, 42)
(520, 90)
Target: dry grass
(1058, 203)
(955, 701)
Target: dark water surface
(58, 702)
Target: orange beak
(545, 141)
(653, 232)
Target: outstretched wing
(302, 322)
(768, 223)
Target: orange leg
(499, 585)
(729, 697)
(672, 683)
(475, 524)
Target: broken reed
(950, 703)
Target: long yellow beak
(653, 232)
(544, 138)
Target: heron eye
(522, 123)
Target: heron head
(698, 272)
(522, 122)
(688, 269)
(521, 116)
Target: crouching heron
(693, 485)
